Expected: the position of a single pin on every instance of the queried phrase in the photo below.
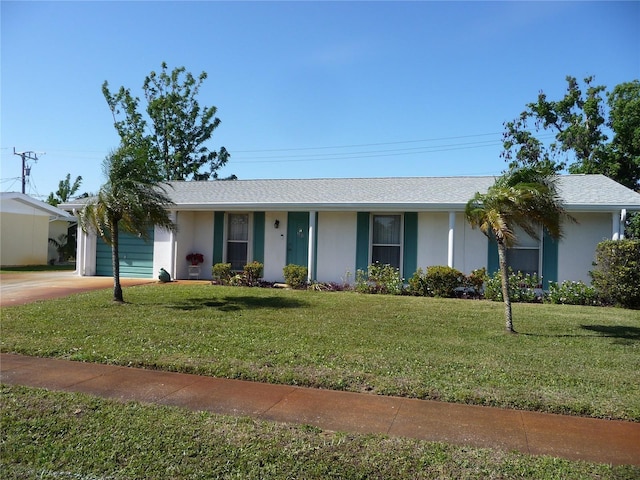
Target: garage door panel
(136, 257)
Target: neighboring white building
(26, 224)
(338, 226)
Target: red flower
(195, 258)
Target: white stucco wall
(576, 251)
(195, 235)
(24, 238)
(469, 246)
(433, 239)
(337, 239)
(275, 246)
(163, 252)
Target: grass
(38, 268)
(567, 359)
(53, 435)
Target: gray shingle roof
(579, 192)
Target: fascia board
(325, 207)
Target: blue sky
(303, 89)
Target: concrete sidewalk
(575, 438)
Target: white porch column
(452, 228)
(311, 251)
(615, 224)
(81, 246)
(174, 245)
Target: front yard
(574, 360)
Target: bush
(439, 281)
(222, 273)
(379, 278)
(571, 293)
(253, 273)
(522, 288)
(418, 284)
(295, 275)
(474, 282)
(616, 278)
(443, 281)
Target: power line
(358, 145)
(26, 168)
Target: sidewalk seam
(524, 430)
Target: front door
(297, 238)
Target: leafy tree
(65, 190)
(179, 127)
(132, 199)
(525, 196)
(578, 123)
(624, 120)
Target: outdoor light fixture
(276, 224)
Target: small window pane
(524, 240)
(386, 229)
(238, 226)
(523, 260)
(237, 255)
(386, 255)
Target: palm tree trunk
(504, 276)
(115, 261)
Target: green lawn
(53, 435)
(38, 268)
(576, 360)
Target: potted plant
(195, 258)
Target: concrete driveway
(25, 287)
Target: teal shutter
(258, 237)
(362, 241)
(218, 237)
(410, 250)
(493, 264)
(549, 260)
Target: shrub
(222, 273)
(418, 284)
(442, 281)
(616, 278)
(253, 273)
(474, 282)
(522, 287)
(571, 293)
(439, 281)
(295, 275)
(379, 278)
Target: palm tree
(132, 200)
(526, 197)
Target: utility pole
(26, 169)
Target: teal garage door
(136, 257)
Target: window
(385, 243)
(237, 240)
(525, 255)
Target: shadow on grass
(623, 334)
(230, 304)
